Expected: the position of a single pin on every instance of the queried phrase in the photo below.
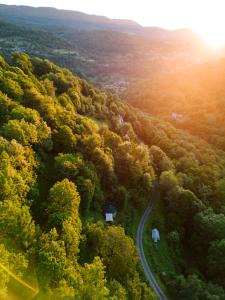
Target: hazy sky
(204, 16)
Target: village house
(110, 213)
(155, 235)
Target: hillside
(67, 149)
(195, 95)
(56, 149)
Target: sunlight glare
(213, 38)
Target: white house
(109, 217)
(110, 212)
(155, 235)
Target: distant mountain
(43, 17)
(157, 33)
(47, 16)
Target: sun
(213, 38)
(211, 30)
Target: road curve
(148, 273)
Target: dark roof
(109, 209)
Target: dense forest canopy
(67, 149)
(60, 162)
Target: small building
(109, 218)
(155, 235)
(179, 118)
(110, 212)
(120, 120)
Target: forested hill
(192, 99)
(66, 150)
(50, 18)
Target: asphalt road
(148, 273)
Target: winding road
(148, 273)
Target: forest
(67, 149)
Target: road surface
(148, 273)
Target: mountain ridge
(50, 16)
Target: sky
(206, 17)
